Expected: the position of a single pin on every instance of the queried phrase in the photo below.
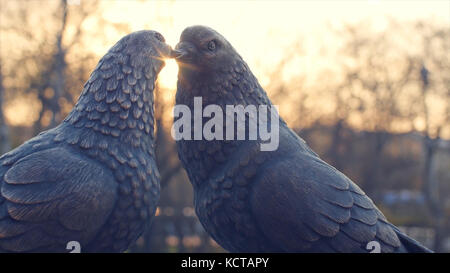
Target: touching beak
(177, 54)
(183, 51)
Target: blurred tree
(52, 62)
(4, 135)
(57, 82)
(433, 41)
(381, 88)
(371, 91)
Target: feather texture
(86, 179)
(287, 200)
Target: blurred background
(365, 83)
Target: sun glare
(168, 76)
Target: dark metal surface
(287, 200)
(92, 179)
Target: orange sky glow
(261, 31)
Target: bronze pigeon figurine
(93, 179)
(275, 200)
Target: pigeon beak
(177, 54)
(183, 51)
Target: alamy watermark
(73, 246)
(257, 118)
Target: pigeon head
(202, 51)
(118, 97)
(143, 47)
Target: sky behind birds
(260, 30)
(263, 32)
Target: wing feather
(51, 193)
(341, 218)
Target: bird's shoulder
(42, 141)
(54, 194)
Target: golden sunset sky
(261, 31)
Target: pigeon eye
(160, 37)
(212, 45)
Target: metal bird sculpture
(93, 179)
(285, 200)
